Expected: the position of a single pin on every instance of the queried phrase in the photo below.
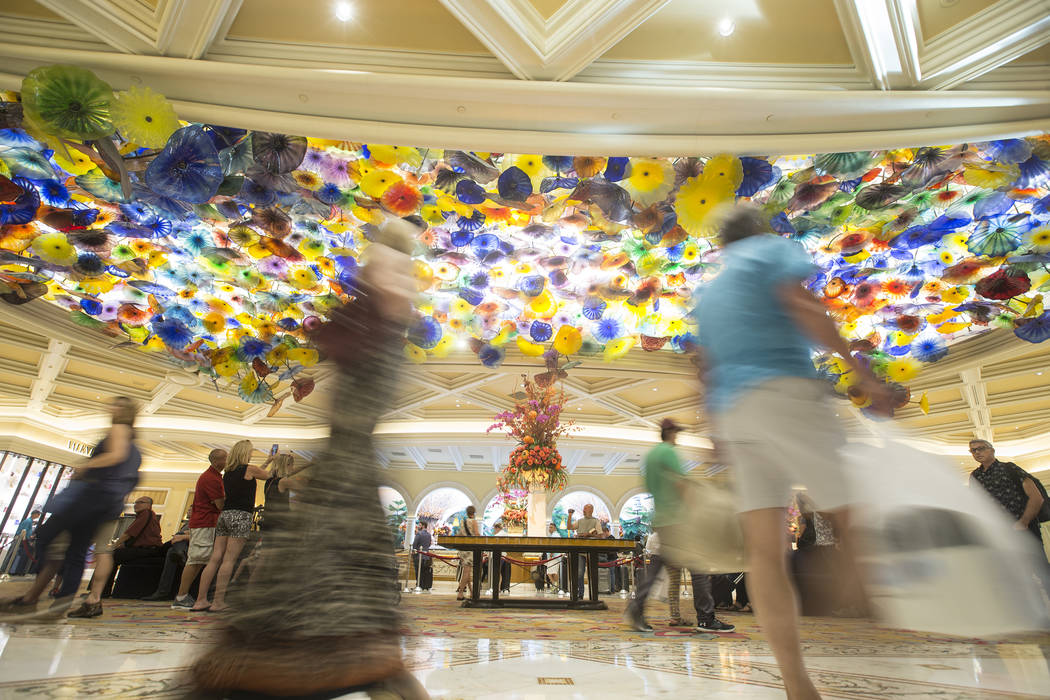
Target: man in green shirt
(663, 477)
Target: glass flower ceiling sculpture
(225, 248)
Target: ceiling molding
(984, 41)
(188, 28)
(45, 32)
(763, 76)
(976, 395)
(555, 48)
(548, 117)
(883, 39)
(128, 27)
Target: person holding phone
(587, 527)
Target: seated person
(140, 541)
(178, 551)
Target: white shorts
(780, 435)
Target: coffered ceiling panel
(406, 25)
(547, 8)
(938, 16)
(765, 32)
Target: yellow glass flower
(955, 295)
(307, 180)
(157, 258)
(414, 353)
(431, 213)
(154, 344)
(697, 199)
(903, 369)
(568, 340)
(141, 247)
(394, 155)
(266, 329)
(311, 249)
(460, 307)
(1040, 238)
(443, 347)
(187, 292)
(531, 164)
(96, 285)
(990, 176)
(143, 117)
(946, 257)
(307, 357)
(54, 248)
(278, 354)
(924, 404)
(377, 182)
(213, 322)
(529, 349)
(650, 179)
(543, 305)
(77, 164)
(618, 348)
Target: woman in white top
(466, 559)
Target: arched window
(442, 509)
(395, 510)
(636, 516)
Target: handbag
(707, 538)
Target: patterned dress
(322, 613)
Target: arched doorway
(395, 510)
(577, 499)
(636, 516)
(443, 509)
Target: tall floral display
(535, 422)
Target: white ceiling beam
(984, 41)
(126, 27)
(574, 461)
(976, 395)
(52, 363)
(555, 48)
(188, 28)
(613, 462)
(883, 38)
(383, 459)
(417, 456)
(256, 414)
(456, 455)
(497, 458)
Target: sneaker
(633, 616)
(184, 603)
(714, 625)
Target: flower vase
(537, 525)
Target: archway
(395, 510)
(443, 508)
(636, 516)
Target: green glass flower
(68, 101)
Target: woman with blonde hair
(466, 560)
(235, 523)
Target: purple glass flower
(273, 266)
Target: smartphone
(273, 449)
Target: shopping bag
(937, 555)
(707, 539)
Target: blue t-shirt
(745, 332)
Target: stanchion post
(419, 565)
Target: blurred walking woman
(234, 526)
(466, 559)
(321, 618)
(93, 497)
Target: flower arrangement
(442, 530)
(535, 422)
(515, 506)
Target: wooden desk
(573, 547)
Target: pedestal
(537, 525)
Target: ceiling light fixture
(343, 11)
(726, 26)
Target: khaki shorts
(783, 434)
(202, 540)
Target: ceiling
(568, 76)
(54, 377)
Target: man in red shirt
(208, 498)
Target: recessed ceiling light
(1038, 374)
(343, 11)
(726, 26)
(656, 388)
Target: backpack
(1044, 511)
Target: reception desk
(497, 546)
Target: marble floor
(142, 649)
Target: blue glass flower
(174, 333)
(491, 356)
(541, 331)
(1035, 330)
(23, 209)
(929, 349)
(252, 348)
(593, 308)
(471, 296)
(426, 333)
(470, 192)
(329, 194)
(616, 168)
(188, 168)
(53, 192)
(514, 184)
(532, 286)
(758, 174)
(607, 329)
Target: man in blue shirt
(757, 327)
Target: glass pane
(12, 473)
(52, 473)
